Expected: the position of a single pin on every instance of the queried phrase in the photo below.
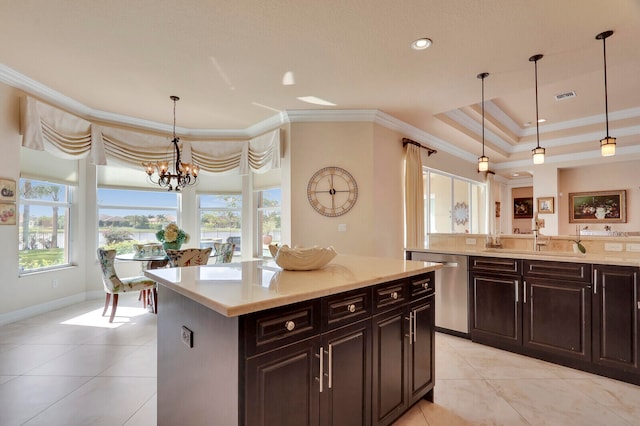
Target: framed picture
(7, 190)
(7, 214)
(522, 208)
(545, 205)
(598, 207)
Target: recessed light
(421, 43)
(316, 101)
(515, 174)
(288, 79)
(542, 120)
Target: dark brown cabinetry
(616, 324)
(495, 308)
(556, 300)
(355, 358)
(403, 348)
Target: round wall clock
(332, 191)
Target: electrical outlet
(633, 247)
(187, 337)
(54, 283)
(612, 246)
(342, 227)
(471, 241)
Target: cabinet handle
(415, 325)
(321, 356)
(289, 325)
(330, 365)
(425, 285)
(351, 308)
(595, 281)
(524, 291)
(517, 292)
(410, 335)
(394, 295)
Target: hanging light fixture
(538, 151)
(182, 174)
(608, 144)
(483, 162)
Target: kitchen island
(249, 343)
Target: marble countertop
(234, 289)
(609, 258)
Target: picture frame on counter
(7, 190)
(545, 205)
(523, 208)
(598, 207)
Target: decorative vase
(171, 246)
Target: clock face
(332, 191)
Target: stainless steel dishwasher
(452, 291)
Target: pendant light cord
(606, 101)
(483, 116)
(535, 63)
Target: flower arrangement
(172, 234)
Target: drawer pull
(351, 308)
(394, 295)
(425, 285)
(289, 325)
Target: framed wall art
(7, 214)
(598, 207)
(7, 190)
(545, 205)
(523, 208)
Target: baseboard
(30, 311)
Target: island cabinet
(403, 347)
(556, 301)
(319, 363)
(616, 323)
(495, 288)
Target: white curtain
(47, 128)
(414, 197)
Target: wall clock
(332, 191)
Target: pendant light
(538, 151)
(608, 144)
(483, 162)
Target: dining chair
(188, 257)
(113, 285)
(224, 252)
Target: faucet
(536, 247)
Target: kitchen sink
(535, 253)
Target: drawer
(495, 264)
(423, 285)
(390, 295)
(580, 272)
(277, 327)
(346, 308)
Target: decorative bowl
(301, 259)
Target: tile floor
(70, 367)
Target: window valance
(47, 128)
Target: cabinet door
(282, 386)
(421, 350)
(346, 392)
(557, 317)
(496, 310)
(389, 398)
(615, 316)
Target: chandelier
(182, 174)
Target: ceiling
(226, 60)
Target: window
(269, 202)
(43, 240)
(220, 219)
(454, 204)
(127, 217)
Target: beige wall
(374, 156)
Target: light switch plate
(612, 246)
(471, 241)
(633, 247)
